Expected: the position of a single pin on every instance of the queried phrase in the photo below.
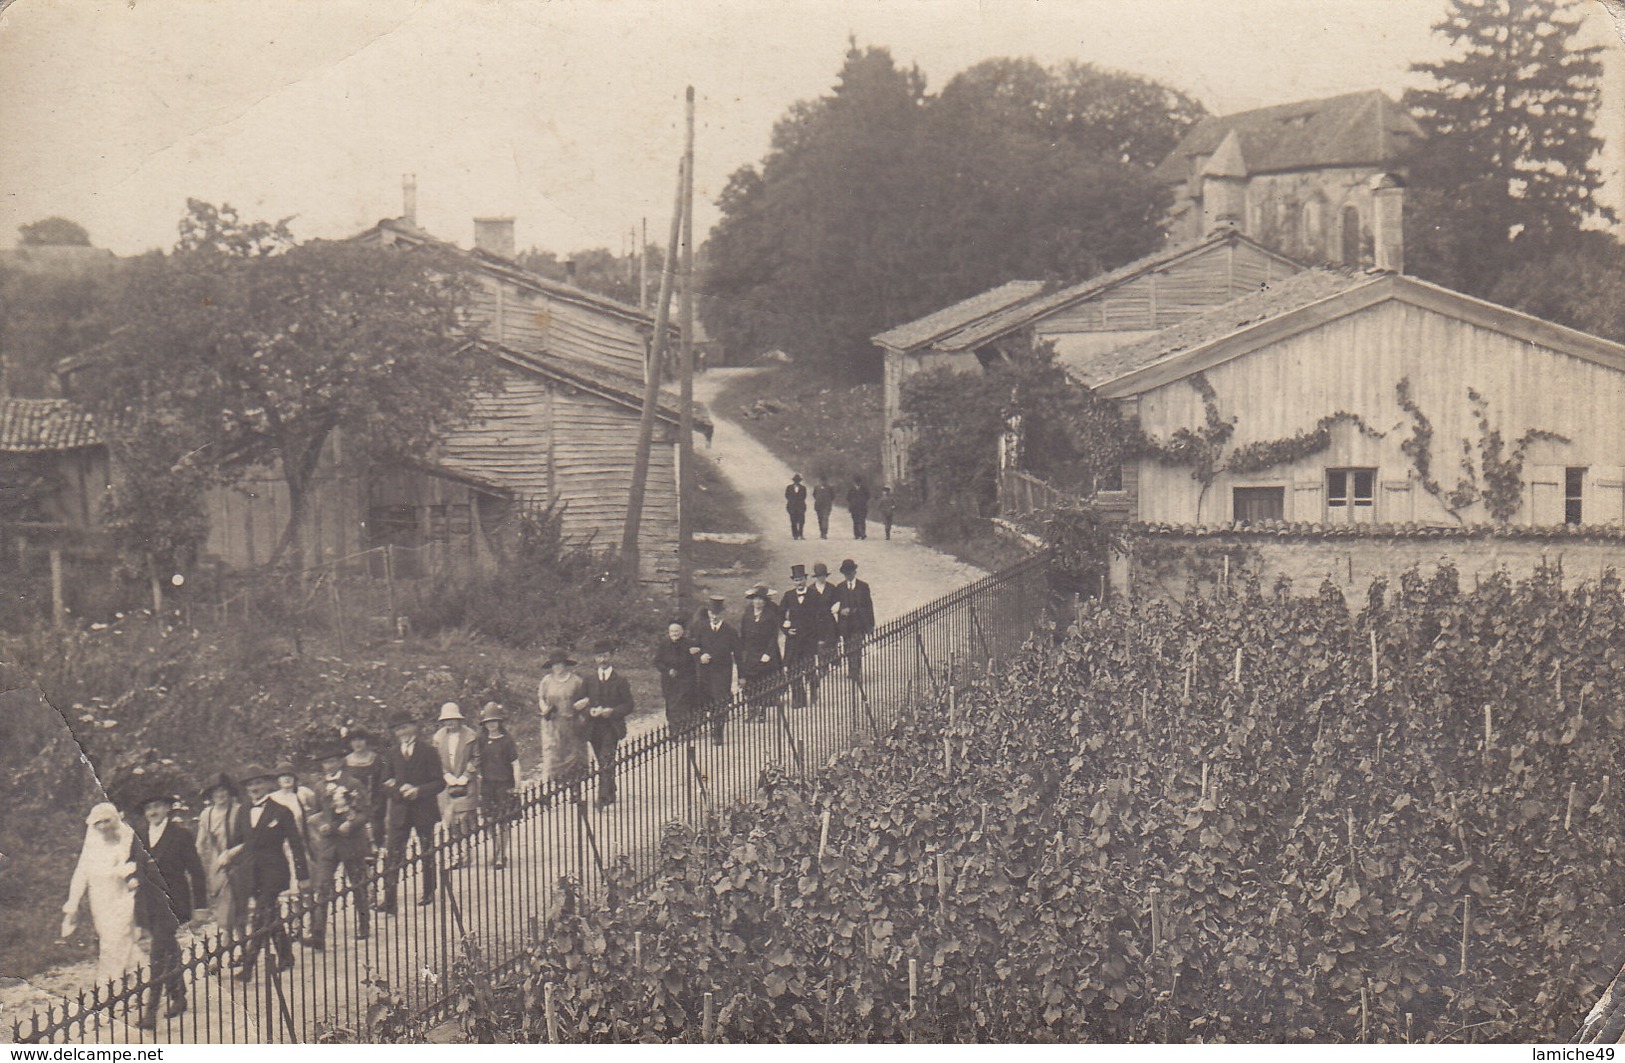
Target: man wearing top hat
(855, 612)
(795, 504)
(413, 779)
(172, 889)
(609, 697)
(339, 832)
(272, 841)
(759, 657)
(719, 649)
(805, 620)
(457, 745)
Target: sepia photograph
(904, 522)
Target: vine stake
(1568, 814)
(823, 836)
(1156, 923)
(552, 1016)
(708, 1028)
(1238, 666)
(1466, 930)
(637, 944)
(1373, 658)
(947, 756)
(1365, 1003)
(942, 885)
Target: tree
(53, 232)
(879, 203)
(1581, 286)
(45, 316)
(1508, 167)
(597, 270)
(238, 350)
(1071, 437)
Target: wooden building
(1081, 321)
(53, 468)
(1358, 397)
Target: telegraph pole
(685, 431)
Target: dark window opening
(1252, 505)
(1109, 479)
(1574, 495)
(1350, 494)
(1351, 236)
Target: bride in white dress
(106, 876)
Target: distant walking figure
(857, 503)
(106, 876)
(795, 504)
(823, 503)
(888, 508)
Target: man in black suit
(759, 659)
(855, 617)
(827, 633)
(172, 887)
(413, 778)
(795, 504)
(719, 650)
(823, 504)
(806, 623)
(609, 703)
(272, 839)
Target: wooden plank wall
(505, 441)
(532, 321)
(1353, 364)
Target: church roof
(1361, 128)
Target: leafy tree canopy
(879, 203)
(54, 232)
(598, 270)
(241, 349)
(1509, 165)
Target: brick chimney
(494, 235)
(1224, 187)
(1388, 221)
(409, 198)
(569, 271)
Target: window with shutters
(1351, 495)
(1574, 481)
(1253, 505)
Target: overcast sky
(565, 113)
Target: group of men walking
(823, 500)
(774, 646)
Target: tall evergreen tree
(1509, 166)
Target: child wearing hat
(499, 777)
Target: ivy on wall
(1491, 470)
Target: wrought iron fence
(497, 884)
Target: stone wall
(1162, 564)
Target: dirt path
(902, 573)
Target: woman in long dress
(564, 719)
(222, 831)
(106, 877)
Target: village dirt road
(902, 573)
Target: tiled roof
(1359, 128)
(1280, 529)
(35, 425)
(974, 335)
(1280, 297)
(965, 312)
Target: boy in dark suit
(609, 703)
(172, 888)
(855, 618)
(272, 839)
(413, 779)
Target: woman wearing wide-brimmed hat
(222, 830)
(563, 698)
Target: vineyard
(1239, 818)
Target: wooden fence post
(389, 584)
(59, 609)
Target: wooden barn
(1371, 397)
(1081, 321)
(560, 431)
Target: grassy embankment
(824, 429)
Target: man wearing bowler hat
(855, 612)
(609, 696)
(795, 504)
(413, 779)
(719, 649)
(272, 840)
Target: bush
(544, 591)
